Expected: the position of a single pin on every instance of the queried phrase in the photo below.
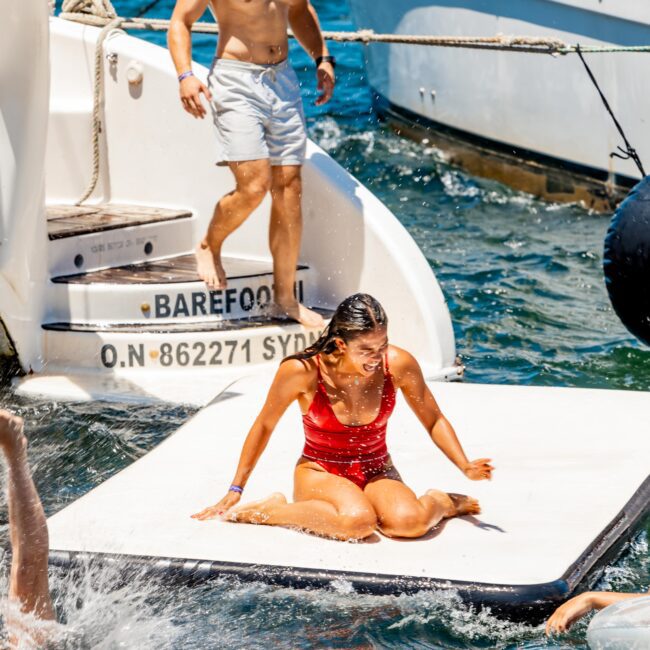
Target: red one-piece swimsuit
(356, 452)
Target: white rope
(98, 102)
(88, 11)
(530, 44)
(99, 8)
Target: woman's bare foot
(256, 512)
(209, 267)
(12, 438)
(299, 313)
(464, 505)
(457, 505)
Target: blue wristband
(235, 488)
(185, 75)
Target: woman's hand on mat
(565, 615)
(191, 89)
(326, 79)
(479, 470)
(220, 509)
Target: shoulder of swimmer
(302, 373)
(403, 366)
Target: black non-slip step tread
(178, 269)
(72, 220)
(255, 322)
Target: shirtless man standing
(260, 126)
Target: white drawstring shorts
(257, 112)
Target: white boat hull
(526, 106)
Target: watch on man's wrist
(328, 58)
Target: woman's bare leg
(28, 527)
(402, 514)
(325, 504)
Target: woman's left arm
(409, 378)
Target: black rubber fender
(626, 261)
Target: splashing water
(106, 608)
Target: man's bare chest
(253, 8)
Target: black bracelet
(328, 58)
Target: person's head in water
(357, 334)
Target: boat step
(88, 238)
(191, 346)
(167, 291)
(72, 220)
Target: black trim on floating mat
(406, 117)
(609, 544)
(531, 603)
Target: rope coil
(98, 102)
(101, 9)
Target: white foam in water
(113, 613)
(329, 136)
(98, 610)
(627, 575)
(103, 610)
(456, 184)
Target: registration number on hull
(197, 354)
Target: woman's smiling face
(364, 353)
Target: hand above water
(565, 615)
(568, 613)
(479, 470)
(220, 509)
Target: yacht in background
(532, 121)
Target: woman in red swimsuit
(345, 485)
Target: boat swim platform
(571, 486)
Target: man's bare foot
(256, 512)
(12, 438)
(299, 313)
(209, 267)
(457, 504)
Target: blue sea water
(524, 285)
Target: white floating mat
(571, 484)
(139, 387)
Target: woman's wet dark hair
(358, 314)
